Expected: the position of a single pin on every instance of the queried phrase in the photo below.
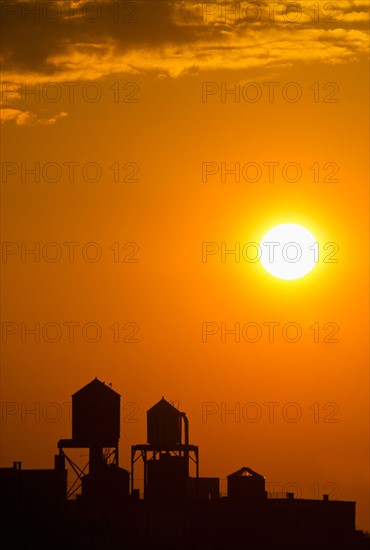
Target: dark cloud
(124, 31)
(30, 40)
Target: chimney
(290, 496)
(325, 497)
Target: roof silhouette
(95, 386)
(164, 406)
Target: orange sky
(159, 55)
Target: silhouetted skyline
(178, 510)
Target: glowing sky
(154, 132)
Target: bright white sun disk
(288, 251)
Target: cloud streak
(180, 37)
(28, 118)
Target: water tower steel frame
(95, 426)
(174, 446)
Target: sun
(288, 251)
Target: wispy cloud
(28, 118)
(181, 36)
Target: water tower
(167, 453)
(96, 426)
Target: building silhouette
(166, 455)
(96, 426)
(179, 509)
